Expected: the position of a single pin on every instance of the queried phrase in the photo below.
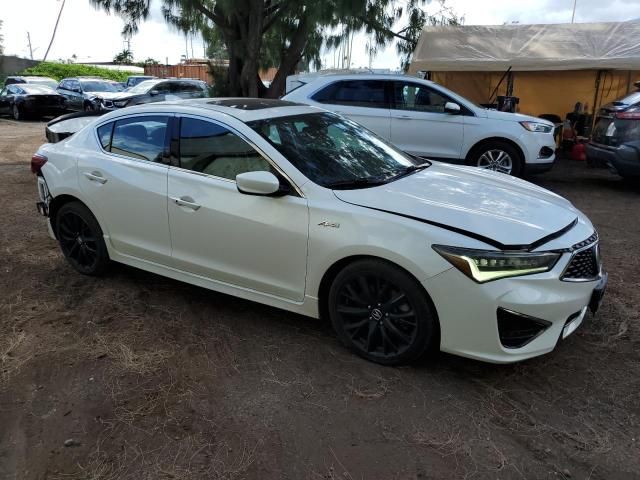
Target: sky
(94, 36)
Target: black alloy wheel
(381, 312)
(81, 239)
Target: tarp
(573, 46)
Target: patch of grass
(59, 71)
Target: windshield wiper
(355, 183)
(411, 169)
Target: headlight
(485, 266)
(537, 127)
(120, 103)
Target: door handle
(95, 177)
(403, 117)
(185, 202)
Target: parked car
(22, 100)
(12, 80)
(119, 86)
(615, 141)
(304, 210)
(86, 94)
(425, 119)
(134, 80)
(156, 91)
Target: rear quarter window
(104, 135)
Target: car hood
(514, 117)
(509, 212)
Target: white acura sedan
(301, 209)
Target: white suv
(427, 120)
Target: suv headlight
(120, 103)
(537, 127)
(487, 265)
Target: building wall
(10, 64)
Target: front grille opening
(583, 265)
(517, 329)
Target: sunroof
(252, 103)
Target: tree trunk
(253, 42)
(290, 59)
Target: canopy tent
(552, 66)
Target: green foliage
(59, 71)
(125, 57)
(287, 34)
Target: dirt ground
(146, 378)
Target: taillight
(37, 161)
(628, 115)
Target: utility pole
(186, 48)
(55, 28)
(573, 15)
(30, 49)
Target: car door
(126, 183)
(63, 89)
(420, 125)
(5, 100)
(74, 95)
(253, 242)
(363, 101)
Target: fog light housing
(545, 152)
(517, 329)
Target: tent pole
(595, 100)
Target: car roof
(313, 76)
(243, 109)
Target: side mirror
(259, 183)
(153, 93)
(452, 108)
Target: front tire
(17, 112)
(497, 156)
(81, 239)
(381, 312)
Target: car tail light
(628, 115)
(37, 161)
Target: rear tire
(81, 239)
(497, 156)
(382, 313)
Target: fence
(199, 71)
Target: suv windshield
(97, 86)
(334, 152)
(49, 82)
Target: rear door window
(355, 93)
(142, 137)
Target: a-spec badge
(329, 224)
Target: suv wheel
(497, 156)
